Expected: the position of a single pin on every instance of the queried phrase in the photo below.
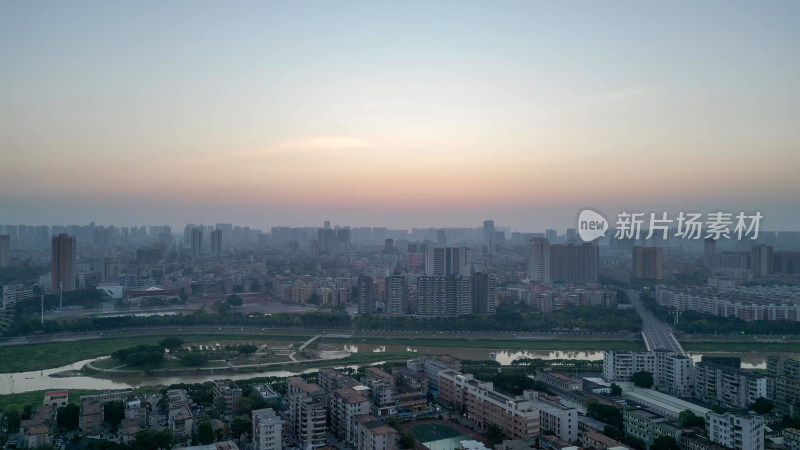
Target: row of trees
(585, 318)
(699, 323)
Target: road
(657, 335)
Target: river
(11, 383)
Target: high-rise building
(5, 250)
(709, 248)
(267, 430)
(488, 233)
(648, 265)
(483, 287)
(306, 413)
(539, 261)
(197, 242)
(446, 260)
(449, 295)
(64, 261)
(366, 295)
(396, 294)
(216, 243)
(761, 260)
(551, 235)
(575, 263)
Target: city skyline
(397, 115)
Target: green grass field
(23, 358)
(432, 432)
(514, 344)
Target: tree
(406, 441)
(605, 413)
(67, 417)
(150, 440)
(247, 349)
(393, 422)
(616, 389)
(643, 379)
(205, 433)
(494, 434)
(222, 308)
(114, 412)
(313, 299)
(194, 359)
(664, 443)
(240, 425)
(173, 343)
(762, 405)
(234, 300)
(688, 418)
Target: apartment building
(227, 396)
(373, 434)
(735, 431)
(561, 420)
(598, 441)
(91, 417)
(727, 386)
(406, 377)
(518, 418)
(785, 386)
(181, 422)
(432, 367)
(647, 425)
(346, 405)
(672, 372)
(791, 438)
(307, 413)
(267, 429)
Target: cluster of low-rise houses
(342, 410)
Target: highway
(657, 335)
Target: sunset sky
(398, 114)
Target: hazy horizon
(402, 115)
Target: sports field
(437, 436)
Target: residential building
(63, 263)
(672, 371)
(56, 398)
(647, 425)
(648, 265)
(226, 397)
(727, 386)
(216, 243)
(5, 250)
(539, 261)
(267, 429)
(735, 431)
(366, 295)
(482, 286)
(396, 295)
(446, 260)
(575, 263)
(791, 438)
(345, 405)
(598, 441)
(181, 422)
(197, 242)
(373, 434)
(306, 413)
(91, 417)
(518, 418)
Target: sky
(399, 114)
